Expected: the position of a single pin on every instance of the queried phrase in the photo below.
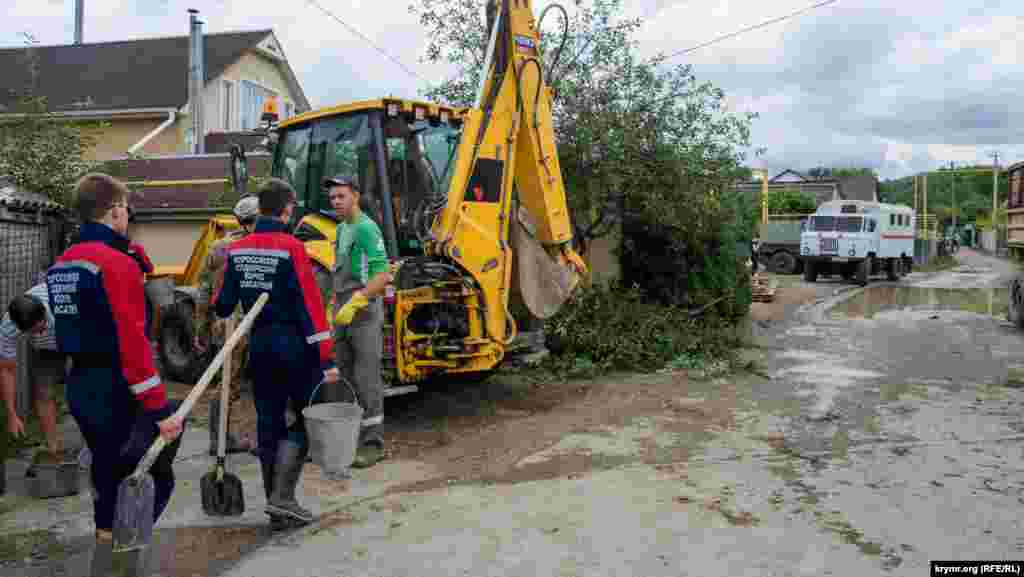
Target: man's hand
(353, 306)
(15, 426)
(170, 428)
(332, 375)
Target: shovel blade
(222, 497)
(133, 514)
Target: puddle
(986, 301)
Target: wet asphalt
(889, 434)
(887, 431)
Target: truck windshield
(337, 145)
(420, 159)
(828, 223)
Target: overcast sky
(897, 85)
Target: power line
(751, 28)
(370, 42)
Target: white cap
(247, 208)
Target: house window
(228, 104)
(253, 97)
(892, 220)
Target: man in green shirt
(361, 275)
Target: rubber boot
(277, 523)
(287, 470)
(234, 445)
(102, 558)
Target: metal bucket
(333, 430)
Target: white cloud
(686, 24)
(871, 81)
(999, 36)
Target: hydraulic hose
(565, 35)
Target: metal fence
(33, 233)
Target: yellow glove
(353, 306)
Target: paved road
(884, 438)
(877, 445)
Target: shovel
(133, 518)
(222, 492)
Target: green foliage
(973, 193)
(839, 172)
(11, 446)
(627, 130)
(613, 328)
(790, 201)
(43, 152)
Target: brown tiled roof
(145, 73)
(182, 168)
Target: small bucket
(54, 480)
(333, 431)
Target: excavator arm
(507, 197)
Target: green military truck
(778, 245)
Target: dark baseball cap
(341, 180)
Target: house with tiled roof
(141, 87)
(141, 90)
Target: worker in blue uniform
(113, 389)
(290, 348)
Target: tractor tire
(179, 360)
(783, 263)
(1015, 314)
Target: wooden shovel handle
(225, 387)
(186, 406)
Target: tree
(42, 151)
(630, 132)
(973, 192)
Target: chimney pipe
(197, 77)
(79, 5)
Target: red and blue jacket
(271, 260)
(143, 259)
(98, 303)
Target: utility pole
(79, 20)
(952, 192)
(995, 187)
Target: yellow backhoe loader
(463, 196)
(175, 290)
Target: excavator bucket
(544, 283)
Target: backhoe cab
(463, 197)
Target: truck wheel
(908, 266)
(783, 263)
(1015, 314)
(864, 271)
(810, 271)
(892, 269)
(179, 360)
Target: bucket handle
(347, 384)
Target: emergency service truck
(858, 239)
